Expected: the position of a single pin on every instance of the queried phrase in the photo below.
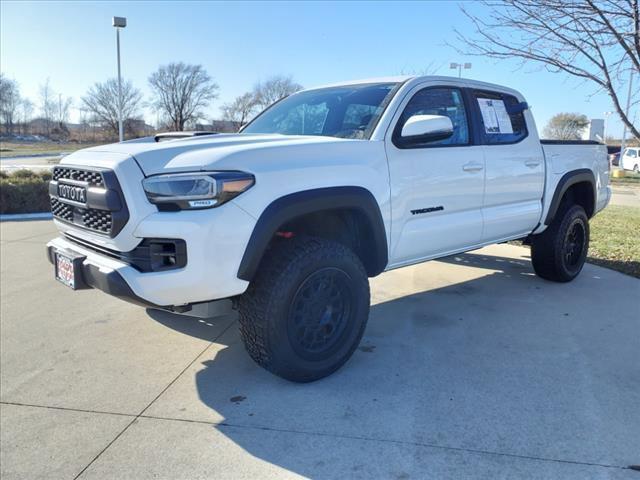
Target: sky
(241, 43)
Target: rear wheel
(304, 314)
(558, 254)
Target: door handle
(472, 167)
(532, 163)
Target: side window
(502, 118)
(439, 101)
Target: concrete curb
(21, 217)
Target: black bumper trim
(148, 256)
(111, 283)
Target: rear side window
(501, 116)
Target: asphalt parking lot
(471, 367)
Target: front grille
(90, 218)
(96, 219)
(61, 210)
(104, 212)
(92, 177)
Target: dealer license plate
(64, 270)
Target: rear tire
(558, 254)
(304, 313)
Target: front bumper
(108, 280)
(215, 241)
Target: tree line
(180, 94)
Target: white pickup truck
(287, 219)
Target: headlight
(189, 191)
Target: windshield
(350, 111)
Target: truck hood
(222, 151)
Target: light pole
(459, 66)
(624, 129)
(119, 22)
(606, 121)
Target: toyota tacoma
(286, 220)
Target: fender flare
(289, 207)
(567, 181)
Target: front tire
(304, 313)
(558, 254)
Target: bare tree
(566, 126)
(62, 110)
(9, 102)
(101, 100)
(597, 41)
(25, 114)
(273, 89)
(240, 110)
(47, 105)
(180, 91)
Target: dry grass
(11, 149)
(614, 239)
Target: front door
(437, 188)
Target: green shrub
(24, 173)
(22, 193)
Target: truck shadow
(431, 371)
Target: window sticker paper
(495, 116)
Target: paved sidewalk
(470, 367)
(626, 195)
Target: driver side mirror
(420, 129)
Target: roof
(420, 78)
(362, 81)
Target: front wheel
(304, 313)
(558, 254)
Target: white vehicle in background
(287, 219)
(630, 159)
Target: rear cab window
(501, 117)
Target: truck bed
(563, 156)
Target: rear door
(514, 164)
(436, 187)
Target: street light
(118, 23)
(624, 129)
(606, 120)
(459, 66)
